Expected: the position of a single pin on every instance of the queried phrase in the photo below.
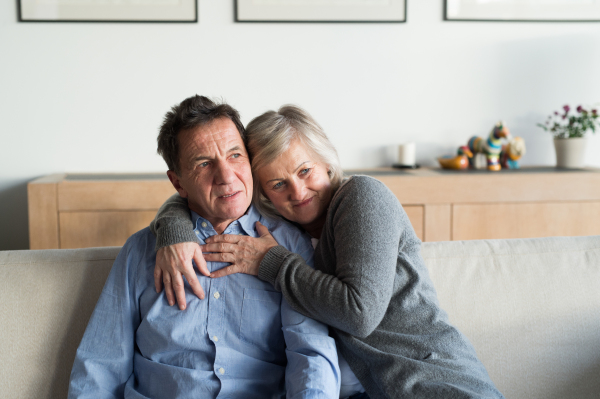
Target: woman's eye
(236, 155)
(278, 185)
(304, 171)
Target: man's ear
(176, 183)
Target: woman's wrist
(271, 263)
(166, 236)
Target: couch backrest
(531, 308)
(46, 300)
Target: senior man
(243, 340)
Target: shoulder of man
(286, 234)
(139, 247)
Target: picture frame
(393, 11)
(108, 10)
(522, 10)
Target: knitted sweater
(371, 286)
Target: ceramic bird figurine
(460, 161)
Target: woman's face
(299, 187)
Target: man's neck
(219, 225)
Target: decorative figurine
(492, 146)
(512, 152)
(460, 161)
(479, 153)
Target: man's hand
(174, 261)
(243, 252)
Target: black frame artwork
(524, 11)
(170, 11)
(390, 11)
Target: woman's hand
(243, 252)
(174, 261)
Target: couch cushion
(531, 308)
(47, 298)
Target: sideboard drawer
(101, 228)
(525, 220)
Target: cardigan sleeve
(363, 240)
(173, 223)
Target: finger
(157, 279)
(262, 230)
(226, 271)
(219, 257)
(179, 288)
(168, 289)
(230, 238)
(195, 285)
(219, 247)
(201, 262)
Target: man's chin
(234, 211)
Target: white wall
(89, 97)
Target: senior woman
(369, 284)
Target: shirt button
(215, 339)
(217, 295)
(204, 224)
(222, 370)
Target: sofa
(531, 308)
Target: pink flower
(579, 108)
(567, 108)
(594, 112)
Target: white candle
(407, 154)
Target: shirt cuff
(173, 235)
(271, 263)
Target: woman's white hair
(271, 134)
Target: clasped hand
(243, 252)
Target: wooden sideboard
(83, 210)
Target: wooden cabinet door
(101, 228)
(525, 220)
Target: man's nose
(224, 173)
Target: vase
(570, 153)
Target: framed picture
(320, 11)
(523, 10)
(108, 10)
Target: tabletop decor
(499, 150)
(320, 11)
(569, 129)
(108, 11)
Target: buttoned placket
(216, 303)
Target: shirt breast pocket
(260, 324)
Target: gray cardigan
(371, 286)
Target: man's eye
(203, 164)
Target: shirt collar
(246, 223)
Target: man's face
(215, 172)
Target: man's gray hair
(271, 134)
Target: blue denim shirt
(242, 341)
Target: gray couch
(531, 308)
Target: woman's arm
(173, 223)
(176, 246)
(356, 258)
